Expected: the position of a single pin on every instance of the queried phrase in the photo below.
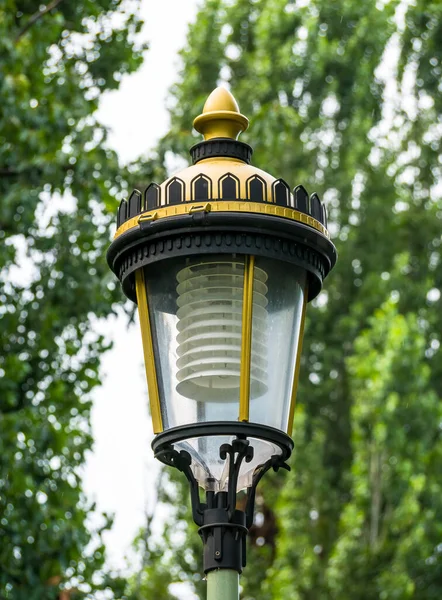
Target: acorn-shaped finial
(221, 117)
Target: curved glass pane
(195, 308)
(275, 341)
(211, 471)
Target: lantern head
(221, 259)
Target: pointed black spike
(152, 197)
(175, 191)
(228, 187)
(256, 189)
(281, 193)
(122, 213)
(134, 204)
(301, 199)
(315, 207)
(201, 188)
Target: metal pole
(223, 584)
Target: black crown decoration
(228, 190)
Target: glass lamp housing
(199, 326)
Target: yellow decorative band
(246, 339)
(222, 206)
(149, 360)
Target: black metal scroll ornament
(223, 528)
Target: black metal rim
(191, 244)
(221, 233)
(200, 223)
(247, 430)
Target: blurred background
(98, 98)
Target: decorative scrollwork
(275, 462)
(183, 461)
(237, 451)
(223, 528)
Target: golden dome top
(221, 117)
(221, 99)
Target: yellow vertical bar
(297, 364)
(246, 339)
(149, 361)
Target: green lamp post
(222, 259)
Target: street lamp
(221, 260)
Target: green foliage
(345, 96)
(387, 541)
(391, 525)
(57, 182)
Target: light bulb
(210, 297)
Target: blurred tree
(57, 183)
(345, 96)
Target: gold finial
(221, 117)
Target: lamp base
(224, 537)
(223, 528)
